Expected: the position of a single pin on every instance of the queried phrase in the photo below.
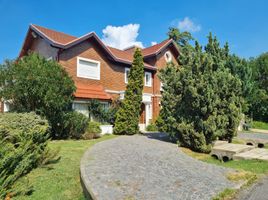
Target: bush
(93, 131)
(151, 127)
(74, 125)
(33, 83)
(260, 125)
(23, 141)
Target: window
(87, 68)
(168, 56)
(161, 86)
(148, 79)
(127, 70)
(81, 108)
(105, 105)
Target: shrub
(127, 116)
(93, 131)
(74, 125)
(23, 141)
(151, 127)
(33, 83)
(260, 125)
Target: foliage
(99, 113)
(260, 125)
(61, 180)
(201, 99)
(259, 101)
(23, 141)
(254, 166)
(151, 127)
(127, 117)
(74, 125)
(93, 131)
(181, 38)
(241, 68)
(33, 83)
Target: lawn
(61, 180)
(260, 125)
(255, 166)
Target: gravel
(143, 168)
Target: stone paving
(258, 191)
(143, 168)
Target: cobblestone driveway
(139, 167)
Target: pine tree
(127, 117)
(201, 100)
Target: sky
(241, 23)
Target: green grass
(255, 166)
(61, 180)
(260, 125)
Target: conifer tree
(127, 117)
(201, 99)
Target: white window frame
(150, 79)
(126, 70)
(168, 56)
(161, 86)
(88, 60)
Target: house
(99, 71)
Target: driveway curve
(140, 167)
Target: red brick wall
(160, 62)
(112, 75)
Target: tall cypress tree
(127, 117)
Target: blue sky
(243, 23)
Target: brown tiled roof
(124, 55)
(91, 92)
(155, 48)
(56, 36)
(65, 41)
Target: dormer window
(168, 56)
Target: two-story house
(99, 71)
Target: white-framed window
(127, 70)
(87, 68)
(105, 105)
(81, 108)
(161, 86)
(148, 79)
(168, 56)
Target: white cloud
(153, 43)
(121, 36)
(188, 25)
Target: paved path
(245, 135)
(143, 168)
(258, 191)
